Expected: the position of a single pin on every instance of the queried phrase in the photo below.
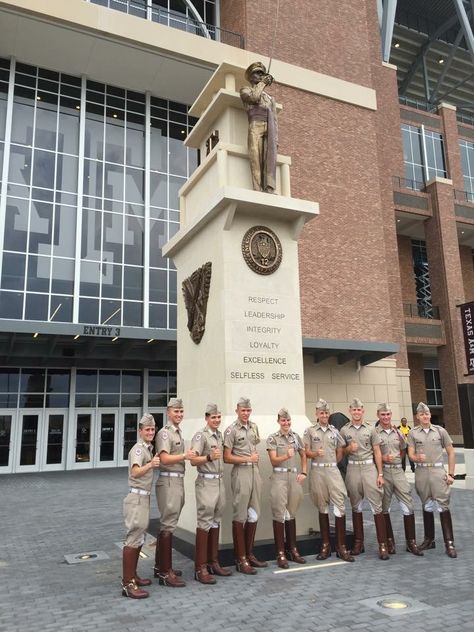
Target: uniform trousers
(210, 502)
(170, 500)
(286, 495)
(136, 512)
(246, 487)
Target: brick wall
(467, 267)
(407, 275)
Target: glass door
(107, 437)
(128, 432)
(53, 440)
(28, 441)
(6, 453)
(84, 432)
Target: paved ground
(46, 516)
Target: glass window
(416, 143)
(86, 381)
(9, 380)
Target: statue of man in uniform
(263, 127)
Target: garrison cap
(356, 403)
(146, 421)
(322, 404)
(257, 65)
(284, 414)
(212, 409)
(422, 408)
(175, 402)
(384, 408)
(244, 402)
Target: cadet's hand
(215, 454)
(353, 446)
(320, 452)
(291, 452)
(189, 454)
(155, 462)
(301, 478)
(387, 458)
(421, 457)
(380, 480)
(253, 458)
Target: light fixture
(462, 232)
(76, 336)
(440, 60)
(114, 339)
(114, 115)
(36, 335)
(78, 107)
(148, 341)
(183, 131)
(393, 604)
(399, 220)
(396, 44)
(38, 98)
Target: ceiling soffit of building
(432, 44)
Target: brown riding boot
(447, 527)
(250, 530)
(279, 537)
(167, 576)
(201, 574)
(156, 568)
(409, 524)
(138, 580)
(325, 550)
(429, 528)
(341, 551)
(390, 537)
(129, 585)
(213, 565)
(292, 549)
(241, 562)
(358, 526)
(381, 536)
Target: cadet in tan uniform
(392, 446)
(286, 492)
(426, 443)
(325, 447)
(363, 478)
(208, 445)
(170, 490)
(240, 449)
(136, 506)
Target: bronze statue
(263, 128)
(196, 292)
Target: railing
(463, 196)
(418, 104)
(406, 183)
(421, 311)
(146, 10)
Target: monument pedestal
(252, 344)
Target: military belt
(323, 464)
(429, 464)
(284, 469)
(206, 475)
(245, 463)
(172, 474)
(367, 462)
(390, 466)
(136, 490)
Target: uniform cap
(384, 408)
(284, 414)
(244, 402)
(356, 403)
(322, 404)
(212, 409)
(257, 65)
(175, 402)
(422, 408)
(147, 420)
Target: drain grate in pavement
(394, 605)
(86, 556)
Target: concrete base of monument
(469, 461)
(308, 545)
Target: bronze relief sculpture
(196, 293)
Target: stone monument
(239, 321)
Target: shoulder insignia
(228, 431)
(271, 438)
(138, 451)
(197, 436)
(164, 435)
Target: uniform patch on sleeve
(271, 439)
(197, 437)
(138, 451)
(164, 435)
(227, 431)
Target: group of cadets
(374, 473)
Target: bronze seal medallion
(262, 250)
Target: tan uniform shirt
(169, 439)
(242, 439)
(391, 442)
(431, 443)
(280, 442)
(315, 437)
(140, 455)
(365, 436)
(202, 443)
